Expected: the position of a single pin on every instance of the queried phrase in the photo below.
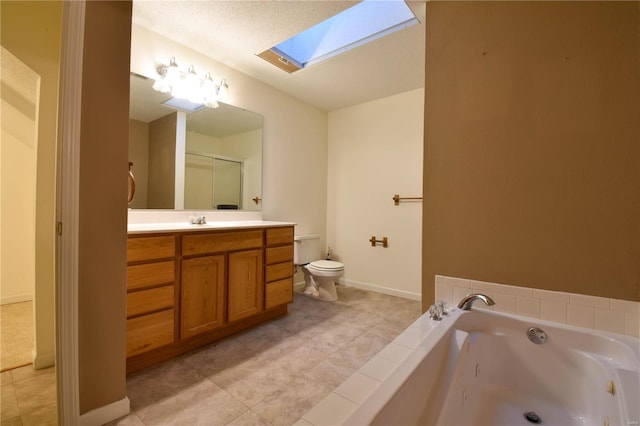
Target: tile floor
(272, 374)
(16, 335)
(28, 397)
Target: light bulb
(172, 73)
(209, 91)
(192, 87)
(211, 103)
(223, 91)
(161, 86)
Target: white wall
(20, 92)
(375, 151)
(294, 135)
(360, 155)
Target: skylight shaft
(358, 25)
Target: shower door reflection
(212, 182)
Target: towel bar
(373, 241)
(397, 198)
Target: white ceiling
(233, 32)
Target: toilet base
(320, 288)
(326, 292)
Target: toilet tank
(306, 249)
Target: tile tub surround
(272, 374)
(596, 313)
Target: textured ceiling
(233, 32)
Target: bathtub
(479, 367)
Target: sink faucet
(465, 304)
(198, 220)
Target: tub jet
(536, 335)
(532, 417)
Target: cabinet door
(202, 291)
(246, 288)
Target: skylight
(182, 104)
(358, 25)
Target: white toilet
(319, 275)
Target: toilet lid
(327, 265)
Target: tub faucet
(465, 304)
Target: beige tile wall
(597, 313)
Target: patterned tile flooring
(16, 335)
(274, 373)
(29, 397)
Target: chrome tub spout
(466, 303)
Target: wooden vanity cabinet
(202, 292)
(151, 277)
(246, 287)
(237, 284)
(278, 266)
(191, 288)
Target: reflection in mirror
(208, 159)
(212, 182)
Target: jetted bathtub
(479, 367)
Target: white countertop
(149, 228)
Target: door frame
(67, 208)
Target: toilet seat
(326, 265)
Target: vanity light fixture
(189, 86)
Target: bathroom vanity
(189, 285)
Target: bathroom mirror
(209, 159)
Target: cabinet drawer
(218, 242)
(278, 271)
(150, 274)
(276, 236)
(149, 332)
(145, 301)
(150, 248)
(279, 293)
(278, 254)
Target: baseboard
(44, 360)
(106, 413)
(372, 287)
(16, 299)
(384, 290)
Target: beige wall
(139, 156)
(198, 182)
(20, 96)
(375, 151)
(102, 206)
(532, 158)
(31, 31)
(243, 146)
(162, 160)
(294, 134)
(197, 142)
